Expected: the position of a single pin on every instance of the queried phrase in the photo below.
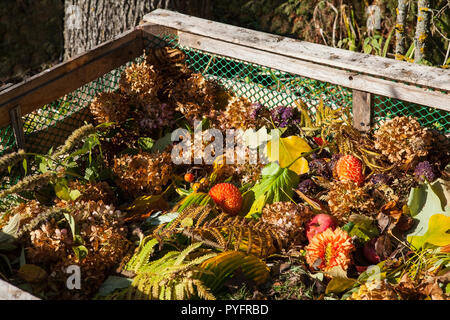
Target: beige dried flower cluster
(345, 197)
(403, 139)
(196, 98)
(237, 115)
(375, 290)
(289, 219)
(95, 191)
(143, 173)
(103, 235)
(110, 107)
(142, 80)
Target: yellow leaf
(288, 150)
(438, 232)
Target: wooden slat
(10, 292)
(205, 35)
(320, 72)
(438, 79)
(362, 110)
(64, 78)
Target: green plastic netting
(50, 125)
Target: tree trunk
(400, 39)
(422, 30)
(88, 23)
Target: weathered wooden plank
(362, 82)
(66, 77)
(435, 78)
(10, 292)
(362, 110)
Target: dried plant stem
(29, 182)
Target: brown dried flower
(289, 219)
(140, 79)
(345, 197)
(110, 107)
(375, 290)
(403, 139)
(143, 173)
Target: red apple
(370, 253)
(319, 224)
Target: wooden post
(16, 122)
(362, 110)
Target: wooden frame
(365, 74)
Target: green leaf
(22, 259)
(25, 165)
(81, 252)
(74, 194)
(146, 143)
(162, 143)
(113, 283)
(424, 202)
(62, 191)
(363, 227)
(158, 218)
(339, 285)
(438, 233)
(276, 185)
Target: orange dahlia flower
(330, 249)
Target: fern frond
(144, 251)
(174, 276)
(223, 266)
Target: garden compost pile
(325, 212)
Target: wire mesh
(50, 125)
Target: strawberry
(350, 168)
(227, 197)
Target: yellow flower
(330, 249)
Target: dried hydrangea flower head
(375, 290)
(289, 219)
(403, 139)
(346, 196)
(236, 115)
(140, 79)
(329, 249)
(155, 115)
(103, 234)
(143, 173)
(110, 107)
(94, 191)
(197, 98)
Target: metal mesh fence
(50, 125)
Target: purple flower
(333, 161)
(308, 187)
(425, 169)
(285, 116)
(319, 167)
(381, 178)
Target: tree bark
(400, 39)
(88, 23)
(422, 30)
